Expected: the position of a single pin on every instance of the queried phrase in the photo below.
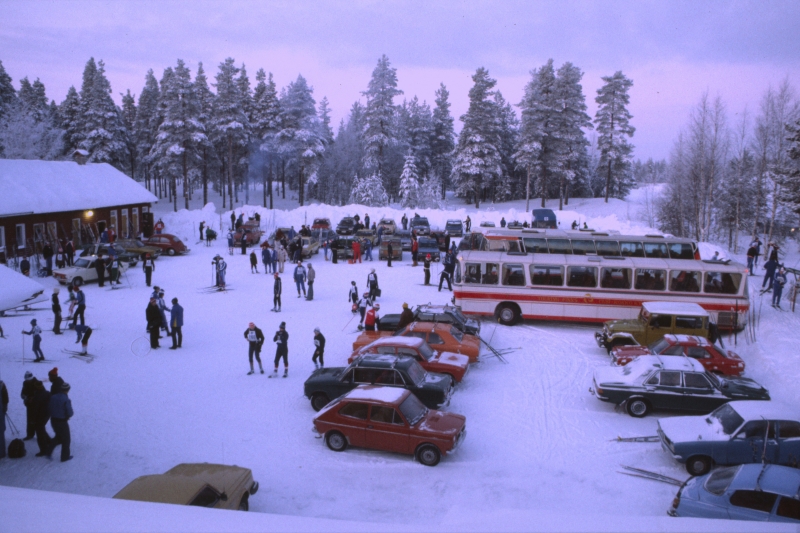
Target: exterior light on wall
(90, 213)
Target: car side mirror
(223, 497)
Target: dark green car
(326, 384)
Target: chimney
(80, 156)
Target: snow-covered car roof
(683, 339)
(412, 342)
(668, 362)
(377, 393)
(783, 480)
(674, 308)
(759, 409)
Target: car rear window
(789, 508)
(789, 429)
(757, 500)
(720, 479)
(355, 410)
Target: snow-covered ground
(537, 442)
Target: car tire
(170, 251)
(244, 504)
(428, 455)
(699, 465)
(77, 281)
(507, 314)
(319, 400)
(336, 441)
(637, 407)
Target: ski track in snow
(536, 438)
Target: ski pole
(13, 426)
(351, 319)
(23, 351)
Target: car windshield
(727, 417)
(459, 315)
(456, 333)
(714, 379)
(417, 374)
(658, 346)
(426, 351)
(719, 480)
(413, 409)
(82, 263)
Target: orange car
(441, 337)
(453, 364)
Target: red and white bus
(593, 288)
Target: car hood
(325, 374)
(624, 326)
(451, 359)
(435, 380)
(742, 388)
(612, 375)
(442, 422)
(691, 428)
(629, 352)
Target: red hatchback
(390, 419)
(453, 364)
(169, 244)
(713, 359)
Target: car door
(386, 430)
(788, 442)
(699, 394)
(664, 390)
(747, 445)
(352, 422)
(436, 342)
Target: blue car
(764, 493)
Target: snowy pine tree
(210, 163)
(409, 183)
(265, 124)
(129, 120)
(229, 123)
(369, 191)
(145, 126)
(378, 119)
(613, 130)
(443, 141)
(572, 121)
(28, 126)
(104, 135)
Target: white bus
(592, 288)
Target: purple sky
(673, 51)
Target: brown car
(441, 337)
(391, 419)
(199, 484)
(454, 365)
(252, 233)
(168, 244)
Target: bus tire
(507, 314)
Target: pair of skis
(85, 357)
(214, 288)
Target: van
(544, 218)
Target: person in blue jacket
(60, 413)
(176, 323)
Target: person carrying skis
(300, 278)
(777, 290)
(426, 267)
(148, 266)
(84, 333)
(372, 284)
(277, 288)
(253, 263)
(319, 349)
(372, 319)
(281, 340)
(312, 274)
(255, 339)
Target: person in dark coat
(751, 256)
(243, 243)
(319, 349)
(60, 413)
(100, 268)
(372, 284)
(777, 287)
(176, 323)
(149, 266)
(277, 288)
(773, 254)
(233, 220)
(4, 399)
(426, 267)
(40, 405)
(55, 380)
(406, 317)
(25, 266)
(56, 307)
(153, 315)
(447, 271)
(253, 263)
(770, 267)
(255, 340)
(389, 251)
(27, 394)
(80, 301)
(281, 340)
(69, 252)
(47, 254)
(404, 222)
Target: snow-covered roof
(669, 362)
(17, 290)
(674, 308)
(758, 409)
(31, 186)
(681, 338)
(398, 341)
(377, 393)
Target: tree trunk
(566, 194)
(283, 179)
(205, 178)
(185, 180)
(300, 188)
(528, 190)
(608, 180)
(230, 172)
(269, 180)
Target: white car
(82, 271)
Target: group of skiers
(255, 341)
(775, 277)
(41, 405)
(156, 316)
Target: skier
(153, 316)
(467, 224)
(312, 274)
(281, 340)
(36, 331)
(777, 291)
(176, 323)
(231, 242)
(60, 413)
(56, 307)
(372, 318)
(770, 267)
(404, 221)
(71, 300)
(255, 339)
(277, 288)
(100, 268)
(300, 278)
(751, 256)
(80, 301)
(222, 267)
(372, 284)
(356, 251)
(84, 333)
(426, 266)
(253, 263)
(352, 296)
(368, 249)
(61, 258)
(319, 349)
(363, 303)
(389, 251)
(148, 265)
(114, 271)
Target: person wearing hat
(60, 413)
(56, 307)
(40, 407)
(27, 394)
(153, 316)
(300, 278)
(426, 267)
(162, 308)
(176, 323)
(80, 300)
(281, 340)
(777, 287)
(406, 317)
(255, 340)
(319, 349)
(311, 276)
(277, 288)
(372, 284)
(363, 303)
(55, 380)
(372, 318)
(36, 331)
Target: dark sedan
(426, 246)
(326, 384)
(347, 226)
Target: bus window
(490, 277)
(657, 250)
(681, 250)
(513, 247)
(559, 246)
(722, 282)
(458, 272)
(547, 275)
(472, 273)
(684, 281)
(581, 276)
(607, 248)
(631, 249)
(615, 278)
(583, 247)
(650, 280)
(535, 246)
(513, 274)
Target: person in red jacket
(414, 250)
(356, 251)
(372, 318)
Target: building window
(145, 209)
(134, 222)
(114, 220)
(2, 239)
(20, 235)
(123, 230)
(52, 232)
(38, 235)
(76, 232)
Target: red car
(713, 359)
(454, 365)
(252, 232)
(440, 336)
(321, 223)
(169, 244)
(390, 419)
